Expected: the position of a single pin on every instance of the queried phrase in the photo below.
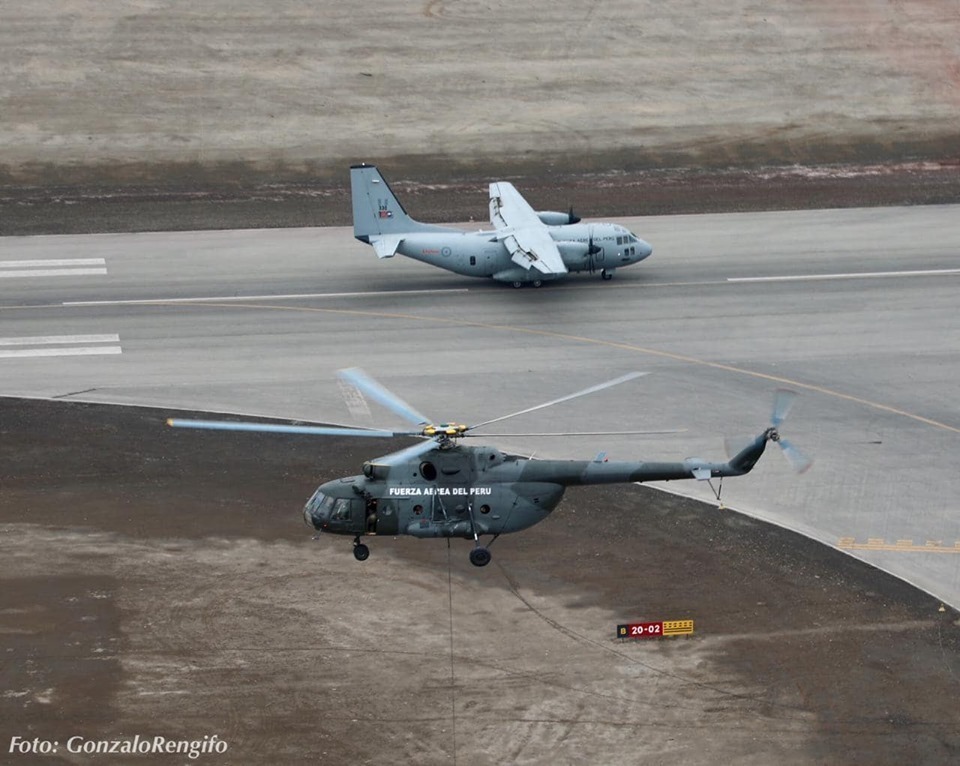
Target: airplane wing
(522, 232)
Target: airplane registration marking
(58, 345)
(851, 275)
(903, 545)
(236, 298)
(52, 267)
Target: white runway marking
(852, 275)
(53, 267)
(58, 345)
(290, 297)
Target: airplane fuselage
(483, 253)
(524, 247)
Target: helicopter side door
(387, 511)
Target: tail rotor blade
(798, 460)
(782, 402)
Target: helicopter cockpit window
(320, 500)
(341, 509)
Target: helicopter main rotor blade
(567, 398)
(367, 385)
(583, 433)
(407, 454)
(279, 428)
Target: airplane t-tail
(525, 247)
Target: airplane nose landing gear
(606, 274)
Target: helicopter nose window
(428, 470)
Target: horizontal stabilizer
(386, 246)
(698, 467)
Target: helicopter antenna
(567, 398)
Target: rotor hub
(445, 429)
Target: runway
(855, 309)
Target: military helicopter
(440, 487)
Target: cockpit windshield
(320, 501)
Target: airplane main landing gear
(360, 551)
(480, 556)
(536, 283)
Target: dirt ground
(432, 193)
(161, 582)
(227, 114)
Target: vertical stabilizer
(376, 210)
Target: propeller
(573, 218)
(592, 250)
(783, 400)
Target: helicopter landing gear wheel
(518, 284)
(480, 557)
(360, 551)
(607, 275)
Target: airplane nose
(644, 249)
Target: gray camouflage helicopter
(442, 488)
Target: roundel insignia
(445, 252)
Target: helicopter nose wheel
(360, 551)
(480, 556)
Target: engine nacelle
(553, 218)
(572, 252)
